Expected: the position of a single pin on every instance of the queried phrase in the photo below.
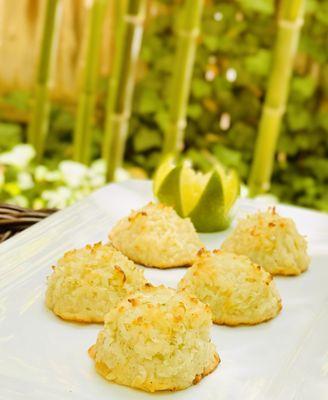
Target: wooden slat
(20, 29)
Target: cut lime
(205, 198)
(162, 171)
(231, 187)
(192, 185)
(166, 184)
(209, 214)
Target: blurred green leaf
(200, 88)
(236, 35)
(146, 139)
(10, 135)
(303, 87)
(259, 63)
(298, 120)
(263, 6)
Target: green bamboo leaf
(298, 119)
(262, 6)
(322, 120)
(10, 135)
(146, 139)
(148, 101)
(259, 63)
(195, 110)
(303, 88)
(200, 88)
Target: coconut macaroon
(155, 236)
(88, 282)
(156, 339)
(271, 241)
(237, 290)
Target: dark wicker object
(14, 219)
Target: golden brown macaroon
(271, 241)
(89, 282)
(156, 339)
(237, 290)
(155, 236)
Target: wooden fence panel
(20, 29)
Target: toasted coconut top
(236, 289)
(87, 282)
(156, 236)
(156, 339)
(271, 241)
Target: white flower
(25, 180)
(43, 174)
(19, 201)
(20, 156)
(73, 173)
(231, 74)
(98, 167)
(58, 198)
(96, 173)
(121, 175)
(97, 180)
(53, 176)
(40, 173)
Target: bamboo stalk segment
(290, 20)
(187, 36)
(130, 16)
(87, 97)
(39, 122)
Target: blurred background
(227, 90)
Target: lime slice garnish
(192, 185)
(163, 170)
(205, 198)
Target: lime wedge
(205, 198)
(192, 185)
(209, 214)
(166, 185)
(231, 188)
(162, 171)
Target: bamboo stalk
(187, 36)
(290, 20)
(128, 37)
(87, 98)
(39, 122)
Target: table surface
(42, 356)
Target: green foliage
(27, 184)
(146, 139)
(229, 82)
(10, 135)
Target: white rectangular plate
(45, 358)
